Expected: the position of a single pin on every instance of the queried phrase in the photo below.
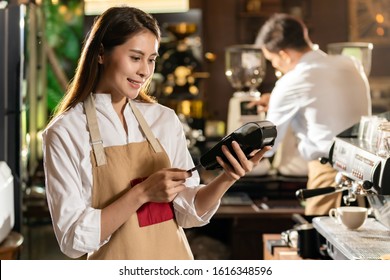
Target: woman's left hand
(239, 168)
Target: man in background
(317, 97)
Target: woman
(115, 160)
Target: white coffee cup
(351, 217)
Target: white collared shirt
(321, 97)
(68, 169)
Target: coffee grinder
(245, 67)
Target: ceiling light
(97, 7)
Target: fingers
(240, 165)
(164, 185)
(177, 174)
(252, 104)
(260, 153)
(243, 164)
(228, 170)
(167, 194)
(174, 191)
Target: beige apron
(320, 176)
(113, 170)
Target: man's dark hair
(283, 31)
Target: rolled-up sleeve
(76, 224)
(185, 211)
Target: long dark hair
(110, 29)
(283, 31)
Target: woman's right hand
(163, 185)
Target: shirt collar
(313, 54)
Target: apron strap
(96, 139)
(146, 129)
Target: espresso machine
(362, 172)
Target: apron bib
(152, 232)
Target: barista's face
(128, 66)
(280, 60)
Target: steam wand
(343, 183)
